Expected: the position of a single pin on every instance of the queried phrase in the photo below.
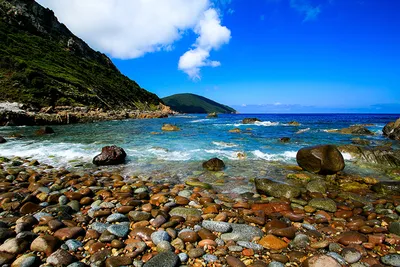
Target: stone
(276, 264)
(60, 258)
(29, 207)
(120, 230)
(116, 217)
(45, 130)
(165, 259)
(46, 244)
(321, 261)
(99, 227)
(189, 236)
(110, 155)
(14, 245)
(394, 228)
(138, 216)
(356, 129)
(234, 262)
(251, 245)
(185, 212)
(351, 255)
(272, 242)
(69, 232)
(352, 237)
(275, 189)
(391, 260)
(6, 258)
(216, 226)
(2, 140)
(323, 159)
(6, 233)
(116, 261)
(214, 164)
(323, 204)
(316, 186)
(164, 246)
(25, 260)
(159, 236)
(73, 244)
(242, 232)
(209, 258)
(195, 253)
(170, 127)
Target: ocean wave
(287, 155)
(224, 144)
(199, 120)
(303, 131)
(347, 156)
(257, 123)
(232, 155)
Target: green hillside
(191, 103)
(43, 64)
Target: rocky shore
(12, 114)
(56, 217)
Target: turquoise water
(179, 154)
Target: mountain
(191, 103)
(43, 64)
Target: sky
(258, 56)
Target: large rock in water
(214, 164)
(2, 140)
(110, 155)
(169, 127)
(324, 159)
(392, 130)
(250, 120)
(356, 129)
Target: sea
(176, 156)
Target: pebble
(99, 227)
(73, 244)
(321, 261)
(120, 230)
(337, 257)
(276, 264)
(116, 217)
(300, 241)
(394, 228)
(216, 226)
(252, 245)
(165, 259)
(195, 253)
(183, 257)
(159, 236)
(185, 212)
(272, 242)
(234, 262)
(60, 258)
(391, 260)
(25, 260)
(242, 232)
(323, 204)
(210, 258)
(235, 248)
(351, 255)
(164, 246)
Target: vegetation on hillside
(43, 64)
(191, 103)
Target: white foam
(233, 155)
(200, 120)
(287, 155)
(257, 123)
(347, 156)
(224, 144)
(303, 131)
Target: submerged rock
(212, 115)
(392, 130)
(284, 140)
(2, 140)
(169, 127)
(275, 189)
(356, 129)
(376, 155)
(45, 130)
(387, 187)
(110, 155)
(250, 120)
(324, 159)
(214, 164)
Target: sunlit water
(178, 155)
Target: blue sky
(269, 55)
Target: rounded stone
(196, 253)
(391, 260)
(120, 230)
(167, 259)
(159, 236)
(164, 246)
(217, 226)
(351, 255)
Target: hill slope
(42, 64)
(191, 103)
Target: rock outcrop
(110, 155)
(275, 189)
(169, 127)
(392, 130)
(382, 155)
(250, 120)
(356, 129)
(323, 159)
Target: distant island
(191, 103)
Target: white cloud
(212, 35)
(304, 7)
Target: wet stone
(234, 262)
(106, 237)
(323, 204)
(164, 246)
(196, 253)
(391, 260)
(394, 228)
(60, 258)
(209, 258)
(117, 261)
(216, 226)
(183, 257)
(276, 264)
(116, 217)
(242, 232)
(73, 244)
(252, 245)
(99, 227)
(185, 212)
(321, 261)
(138, 216)
(165, 259)
(159, 236)
(120, 230)
(26, 260)
(351, 255)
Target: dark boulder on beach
(45, 130)
(387, 187)
(323, 159)
(214, 164)
(110, 155)
(2, 140)
(250, 120)
(392, 130)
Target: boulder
(250, 120)
(293, 123)
(359, 141)
(392, 130)
(2, 140)
(235, 130)
(382, 155)
(387, 187)
(214, 164)
(212, 115)
(323, 159)
(275, 189)
(284, 140)
(356, 129)
(110, 155)
(169, 127)
(45, 130)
